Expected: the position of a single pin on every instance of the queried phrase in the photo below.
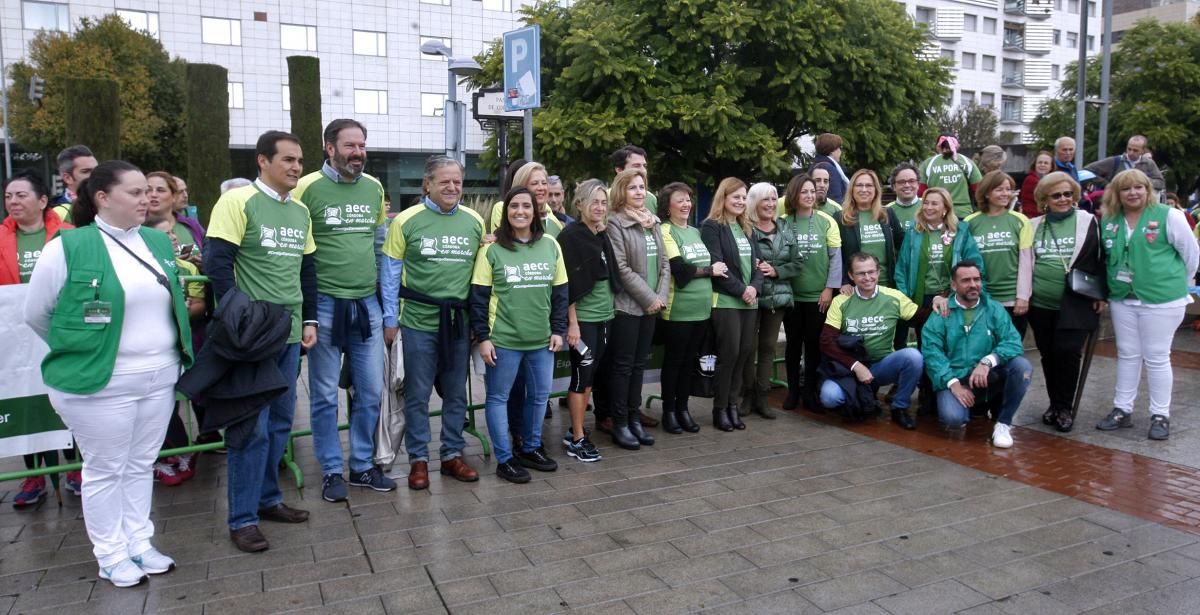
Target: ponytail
(103, 178)
(83, 209)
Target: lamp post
(455, 111)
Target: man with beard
(953, 171)
(346, 208)
(904, 181)
(821, 174)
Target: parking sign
(523, 69)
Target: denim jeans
(253, 469)
(366, 372)
(1017, 375)
(903, 368)
(421, 356)
(538, 368)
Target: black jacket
(723, 249)
(851, 244)
(860, 398)
(236, 373)
(589, 260)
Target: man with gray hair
(1136, 156)
(74, 165)
(556, 198)
(234, 182)
(425, 279)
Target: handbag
(1087, 284)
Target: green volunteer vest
(82, 355)
(1159, 274)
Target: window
(924, 15)
(1010, 109)
(1073, 40)
(1091, 43)
(497, 5)
(216, 31)
(298, 38)
(1058, 5)
(1014, 35)
(370, 43)
(441, 2)
(432, 104)
(987, 99)
(1091, 9)
(371, 102)
(287, 97)
(966, 98)
(1012, 73)
(237, 99)
(1057, 37)
(989, 63)
(989, 25)
(1073, 6)
(426, 39)
(970, 22)
(968, 61)
(140, 20)
(1054, 68)
(948, 54)
(46, 16)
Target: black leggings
(802, 326)
(681, 347)
(594, 335)
(628, 350)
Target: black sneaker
(512, 472)
(373, 479)
(537, 460)
(333, 488)
(583, 450)
(1117, 419)
(569, 437)
(1160, 427)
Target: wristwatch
(988, 361)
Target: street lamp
(455, 111)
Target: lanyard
(1047, 228)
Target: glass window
(1010, 109)
(441, 2)
(1073, 40)
(497, 5)
(1054, 68)
(968, 61)
(1073, 6)
(1091, 43)
(989, 63)
(1091, 9)
(1057, 37)
(966, 98)
(438, 57)
(217, 31)
(987, 99)
(140, 20)
(46, 16)
(432, 105)
(370, 43)
(298, 38)
(287, 97)
(923, 15)
(970, 22)
(948, 54)
(371, 102)
(1058, 5)
(237, 99)
(989, 25)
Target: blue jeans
(420, 369)
(902, 368)
(538, 368)
(253, 470)
(1017, 375)
(366, 372)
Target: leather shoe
(249, 539)
(459, 470)
(282, 513)
(418, 475)
(901, 417)
(1063, 421)
(735, 417)
(721, 419)
(1050, 416)
(625, 439)
(686, 421)
(670, 422)
(635, 428)
(648, 421)
(792, 401)
(605, 425)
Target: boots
(670, 420)
(622, 436)
(761, 407)
(735, 417)
(635, 428)
(685, 418)
(721, 419)
(792, 401)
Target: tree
(714, 88)
(304, 90)
(207, 134)
(93, 115)
(1155, 77)
(973, 124)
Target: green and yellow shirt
(522, 281)
(344, 218)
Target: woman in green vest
(685, 321)
(1005, 240)
(1151, 258)
(104, 298)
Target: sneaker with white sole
(582, 451)
(153, 562)
(124, 573)
(1002, 436)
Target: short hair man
(822, 176)
(556, 196)
(345, 207)
(828, 147)
(1136, 156)
(1064, 157)
(871, 311)
(429, 255)
(953, 171)
(906, 182)
(973, 355)
(633, 157)
(263, 236)
(74, 165)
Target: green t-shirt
(937, 273)
(1052, 251)
(692, 302)
(955, 175)
(597, 305)
(651, 258)
(873, 241)
(522, 281)
(272, 238)
(906, 215)
(29, 249)
(344, 218)
(745, 258)
(1001, 239)
(815, 235)
(874, 319)
(830, 207)
(444, 247)
(184, 236)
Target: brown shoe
(648, 421)
(282, 513)
(418, 475)
(459, 470)
(605, 425)
(249, 539)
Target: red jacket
(1028, 203)
(10, 273)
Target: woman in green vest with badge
(1005, 240)
(1151, 258)
(729, 237)
(685, 320)
(104, 298)
(819, 243)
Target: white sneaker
(124, 574)
(153, 562)
(1002, 436)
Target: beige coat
(628, 241)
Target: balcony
(1013, 80)
(1037, 9)
(1014, 41)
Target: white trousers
(1144, 336)
(120, 430)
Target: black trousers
(628, 349)
(1020, 322)
(736, 334)
(802, 326)
(1062, 352)
(681, 350)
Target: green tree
(974, 125)
(726, 87)
(149, 81)
(304, 89)
(1155, 77)
(207, 143)
(93, 115)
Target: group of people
(311, 262)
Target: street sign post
(489, 105)
(523, 76)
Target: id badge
(97, 312)
(1124, 275)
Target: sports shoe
(1160, 427)
(373, 479)
(512, 472)
(583, 450)
(569, 437)
(124, 574)
(1117, 419)
(185, 467)
(165, 473)
(333, 488)
(1002, 436)
(74, 482)
(537, 460)
(33, 489)
(153, 562)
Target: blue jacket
(951, 351)
(837, 185)
(908, 259)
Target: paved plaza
(798, 515)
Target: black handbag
(1089, 285)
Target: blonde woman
(866, 226)
(531, 175)
(1005, 240)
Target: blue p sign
(523, 69)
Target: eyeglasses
(1062, 195)
(902, 182)
(864, 185)
(865, 274)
